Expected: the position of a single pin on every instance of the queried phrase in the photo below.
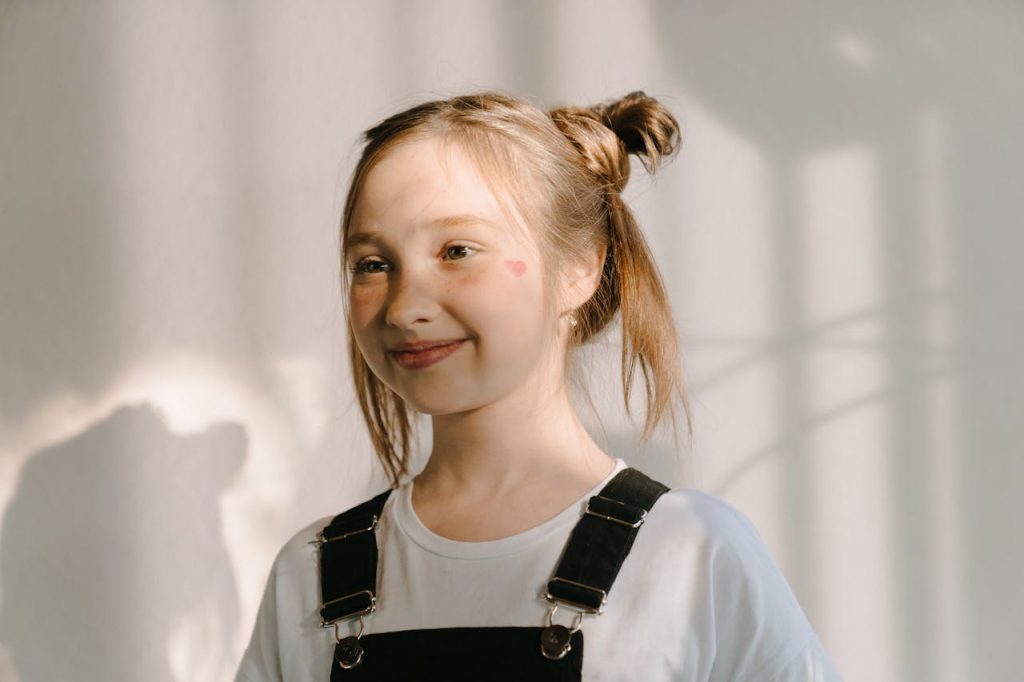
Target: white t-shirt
(697, 598)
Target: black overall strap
(601, 540)
(348, 561)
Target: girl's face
(433, 258)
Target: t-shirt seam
(782, 659)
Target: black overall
(590, 561)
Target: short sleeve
(761, 633)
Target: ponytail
(605, 135)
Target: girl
(483, 240)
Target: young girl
(484, 240)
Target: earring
(572, 320)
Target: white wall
(839, 235)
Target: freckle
(516, 267)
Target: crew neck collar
(409, 523)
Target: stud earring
(572, 320)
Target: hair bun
(605, 134)
(644, 125)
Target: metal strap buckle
(584, 607)
(320, 539)
(624, 522)
(361, 612)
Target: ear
(582, 279)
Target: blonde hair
(564, 170)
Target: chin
(433, 409)
(435, 405)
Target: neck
(500, 447)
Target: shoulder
(292, 571)
(725, 538)
(757, 620)
(299, 545)
(695, 515)
(295, 553)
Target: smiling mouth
(417, 359)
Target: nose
(411, 299)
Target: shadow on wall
(112, 551)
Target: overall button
(348, 652)
(554, 641)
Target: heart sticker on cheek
(516, 267)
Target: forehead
(425, 181)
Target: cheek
(509, 280)
(363, 304)
(504, 295)
(516, 267)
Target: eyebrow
(444, 222)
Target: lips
(422, 345)
(425, 353)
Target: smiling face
(433, 257)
